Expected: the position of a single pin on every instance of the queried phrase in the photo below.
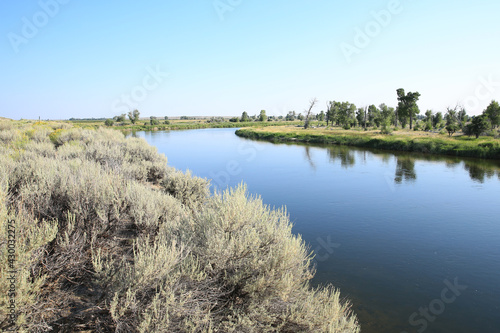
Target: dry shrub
(127, 255)
(149, 208)
(190, 190)
(28, 238)
(10, 136)
(6, 125)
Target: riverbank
(177, 124)
(410, 141)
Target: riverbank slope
(410, 141)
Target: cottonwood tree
(407, 106)
(437, 120)
(321, 116)
(134, 116)
(244, 117)
(331, 112)
(479, 125)
(452, 121)
(308, 112)
(493, 113)
(262, 116)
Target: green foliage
(493, 113)
(290, 116)
(153, 121)
(244, 117)
(452, 128)
(407, 106)
(321, 116)
(120, 118)
(109, 122)
(479, 125)
(433, 145)
(263, 116)
(134, 116)
(437, 120)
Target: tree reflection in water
(405, 170)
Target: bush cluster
(110, 239)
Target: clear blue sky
(227, 56)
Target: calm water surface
(412, 241)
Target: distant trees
(321, 116)
(290, 116)
(120, 118)
(479, 124)
(387, 115)
(437, 120)
(407, 106)
(262, 116)
(493, 113)
(374, 116)
(134, 116)
(345, 114)
(361, 117)
(153, 121)
(452, 121)
(330, 113)
(109, 122)
(244, 117)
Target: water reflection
(478, 170)
(342, 153)
(308, 157)
(405, 170)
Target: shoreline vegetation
(104, 236)
(401, 140)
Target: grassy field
(176, 124)
(402, 140)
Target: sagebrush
(111, 239)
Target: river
(412, 240)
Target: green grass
(176, 124)
(421, 142)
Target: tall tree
(262, 116)
(493, 113)
(479, 125)
(321, 116)
(374, 116)
(361, 117)
(437, 119)
(428, 120)
(245, 117)
(346, 114)
(332, 112)
(134, 116)
(407, 105)
(308, 114)
(387, 114)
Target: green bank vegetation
(133, 122)
(110, 239)
(411, 141)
